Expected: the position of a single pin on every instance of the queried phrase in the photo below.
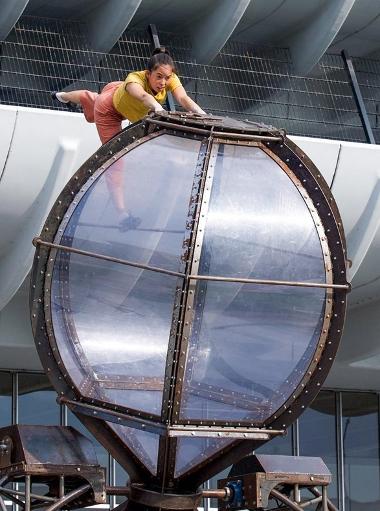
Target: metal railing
(258, 84)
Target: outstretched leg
(84, 98)
(73, 96)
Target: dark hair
(160, 57)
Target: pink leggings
(98, 108)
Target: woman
(140, 93)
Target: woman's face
(159, 77)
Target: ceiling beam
(310, 43)
(107, 22)
(11, 10)
(212, 33)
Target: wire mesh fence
(258, 84)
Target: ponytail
(160, 57)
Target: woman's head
(160, 69)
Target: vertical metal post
(358, 97)
(296, 452)
(297, 493)
(15, 507)
(154, 35)
(27, 493)
(63, 415)
(340, 451)
(206, 502)
(152, 29)
(14, 398)
(296, 438)
(112, 480)
(61, 489)
(324, 499)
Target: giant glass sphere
(203, 324)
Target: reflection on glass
(251, 344)
(192, 451)
(37, 401)
(360, 423)
(5, 399)
(258, 224)
(143, 443)
(101, 454)
(112, 322)
(317, 435)
(280, 445)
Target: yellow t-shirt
(132, 108)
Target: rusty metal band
(114, 416)
(170, 431)
(231, 432)
(217, 493)
(117, 490)
(39, 241)
(220, 134)
(167, 501)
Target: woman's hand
(184, 100)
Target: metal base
(277, 482)
(49, 467)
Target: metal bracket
(152, 29)
(358, 97)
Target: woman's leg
(72, 96)
(108, 124)
(85, 98)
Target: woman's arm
(136, 91)
(184, 100)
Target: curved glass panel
(192, 451)
(251, 344)
(142, 443)
(112, 322)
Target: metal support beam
(358, 98)
(309, 44)
(108, 21)
(14, 398)
(152, 29)
(296, 438)
(11, 10)
(340, 451)
(214, 30)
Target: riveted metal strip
(190, 319)
(166, 450)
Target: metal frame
(31, 455)
(358, 97)
(28, 499)
(328, 223)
